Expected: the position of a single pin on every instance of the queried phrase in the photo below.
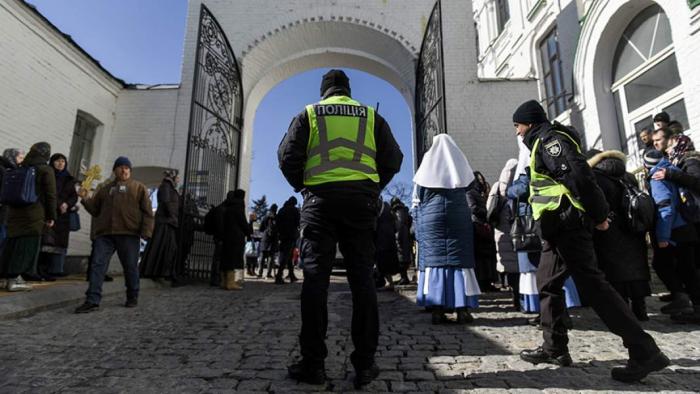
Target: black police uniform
(343, 213)
(568, 248)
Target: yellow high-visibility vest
(341, 142)
(545, 192)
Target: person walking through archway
(288, 228)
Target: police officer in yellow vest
(568, 204)
(340, 154)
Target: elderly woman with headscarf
(27, 223)
(161, 251)
(446, 279)
(9, 160)
(54, 243)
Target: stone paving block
(419, 375)
(403, 386)
(253, 385)
(197, 348)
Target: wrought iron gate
(430, 86)
(213, 145)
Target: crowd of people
(560, 228)
(36, 221)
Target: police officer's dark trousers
(350, 222)
(568, 250)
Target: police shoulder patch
(553, 148)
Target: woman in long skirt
(446, 279)
(161, 252)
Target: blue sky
(141, 41)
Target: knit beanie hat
(335, 78)
(652, 157)
(122, 161)
(530, 112)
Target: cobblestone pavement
(201, 339)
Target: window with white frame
(555, 100)
(502, 15)
(645, 77)
(82, 143)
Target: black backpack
(19, 187)
(690, 205)
(638, 208)
(213, 220)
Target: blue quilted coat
(444, 229)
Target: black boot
(691, 317)
(438, 316)
(464, 317)
(639, 308)
(636, 370)
(535, 321)
(365, 376)
(680, 304)
(404, 279)
(305, 373)
(541, 356)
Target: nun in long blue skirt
(529, 295)
(446, 279)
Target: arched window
(645, 78)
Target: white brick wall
(44, 81)
(145, 126)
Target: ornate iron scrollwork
(430, 85)
(214, 136)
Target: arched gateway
(241, 50)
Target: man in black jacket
(340, 163)
(567, 202)
(288, 228)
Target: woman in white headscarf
(446, 280)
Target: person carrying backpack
(26, 223)
(686, 176)
(621, 252)
(674, 242)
